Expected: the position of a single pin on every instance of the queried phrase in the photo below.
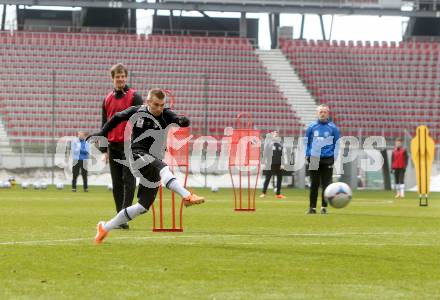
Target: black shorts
(147, 168)
(145, 160)
(399, 176)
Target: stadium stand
(372, 88)
(220, 74)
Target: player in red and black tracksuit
(148, 141)
(399, 161)
(121, 98)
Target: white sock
(178, 188)
(121, 218)
(172, 183)
(402, 190)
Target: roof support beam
(232, 7)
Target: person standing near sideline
(119, 99)
(321, 150)
(273, 153)
(80, 150)
(399, 162)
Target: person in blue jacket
(321, 140)
(80, 153)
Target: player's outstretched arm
(172, 118)
(114, 121)
(117, 119)
(93, 135)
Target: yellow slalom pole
(422, 152)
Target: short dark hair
(398, 139)
(118, 68)
(322, 105)
(158, 93)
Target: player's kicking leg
(156, 170)
(146, 197)
(171, 183)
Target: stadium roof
(345, 7)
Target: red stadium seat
(372, 87)
(237, 81)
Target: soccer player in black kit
(274, 161)
(147, 146)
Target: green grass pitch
(376, 248)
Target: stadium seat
(385, 88)
(224, 72)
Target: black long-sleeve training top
(149, 132)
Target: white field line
(329, 244)
(231, 236)
(270, 199)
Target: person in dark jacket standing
(273, 153)
(399, 162)
(121, 98)
(321, 150)
(80, 150)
